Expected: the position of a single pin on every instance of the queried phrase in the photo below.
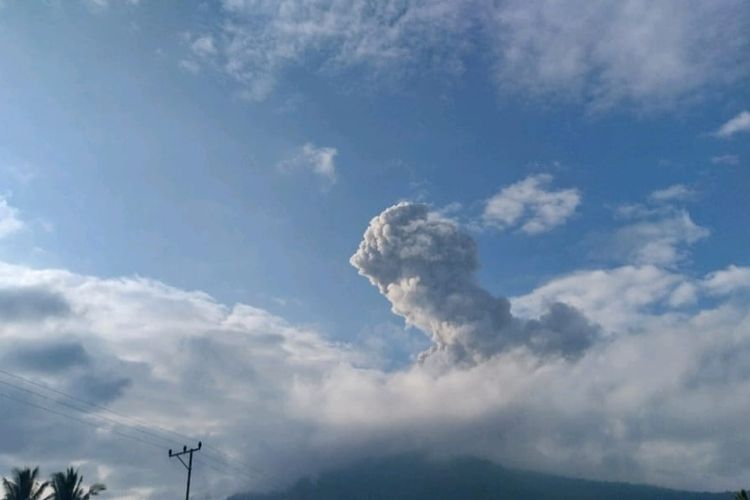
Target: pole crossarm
(189, 466)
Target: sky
(294, 229)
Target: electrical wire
(216, 456)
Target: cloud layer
(604, 54)
(658, 391)
(634, 52)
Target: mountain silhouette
(411, 477)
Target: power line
(109, 410)
(98, 406)
(235, 469)
(218, 457)
(71, 417)
(90, 424)
(73, 407)
(141, 426)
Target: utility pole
(189, 465)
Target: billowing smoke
(425, 266)
(285, 401)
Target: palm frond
(24, 485)
(68, 485)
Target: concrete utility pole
(189, 465)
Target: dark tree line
(25, 484)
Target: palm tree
(67, 486)
(24, 485)
(742, 495)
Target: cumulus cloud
(728, 280)
(317, 159)
(658, 392)
(425, 265)
(606, 53)
(531, 205)
(649, 402)
(615, 298)
(736, 125)
(176, 359)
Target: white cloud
(629, 296)
(202, 52)
(10, 221)
(657, 232)
(661, 397)
(618, 299)
(676, 192)
(626, 407)
(728, 280)
(203, 46)
(265, 37)
(319, 160)
(531, 205)
(606, 53)
(740, 123)
(727, 159)
(658, 238)
(650, 54)
(174, 358)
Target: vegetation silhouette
(67, 486)
(741, 495)
(24, 485)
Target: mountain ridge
(413, 477)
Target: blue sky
(140, 167)
(239, 149)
